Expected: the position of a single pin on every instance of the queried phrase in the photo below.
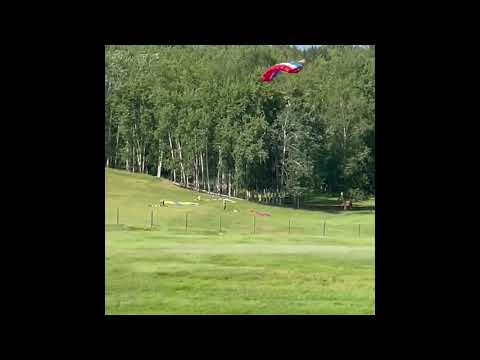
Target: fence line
(231, 223)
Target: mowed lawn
(322, 263)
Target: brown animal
(260, 213)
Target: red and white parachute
(291, 67)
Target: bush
(358, 195)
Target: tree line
(199, 116)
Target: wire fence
(183, 221)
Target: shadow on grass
(335, 209)
(322, 201)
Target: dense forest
(200, 116)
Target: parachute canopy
(291, 67)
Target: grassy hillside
(169, 268)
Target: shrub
(358, 195)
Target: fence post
(324, 221)
(151, 218)
(118, 212)
(186, 221)
(289, 225)
(254, 224)
(220, 223)
(358, 230)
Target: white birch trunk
(139, 159)
(201, 164)
(128, 154)
(143, 160)
(132, 165)
(284, 153)
(344, 151)
(116, 146)
(159, 169)
(223, 183)
(219, 167)
(181, 162)
(196, 173)
(195, 167)
(108, 141)
(206, 160)
(173, 158)
(229, 184)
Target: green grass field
(323, 263)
